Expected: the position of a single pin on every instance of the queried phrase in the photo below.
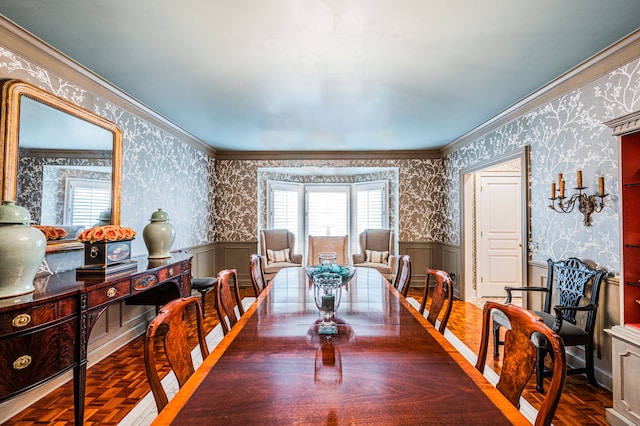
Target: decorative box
(106, 253)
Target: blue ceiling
(327, 74)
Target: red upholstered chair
(520, 356)
(442, 292)
(228, 303)
(170, 326)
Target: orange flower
(129, 233)
(51, 232)
(97, 234)
(111, 234)
(106, 233)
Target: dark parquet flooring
(117, 383)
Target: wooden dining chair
(573, 317)
(404, 280)
(520, 356)
(257, 274)
(170, 327)
(442, 292)
(396, 272)
(228, 299)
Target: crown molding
(626, 124)
(622, 52)
(21, 42)
(326, 155)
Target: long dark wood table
(387, 365)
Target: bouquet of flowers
(106, 233)
(52, 232)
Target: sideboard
(45, 333)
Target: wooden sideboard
(46, 333)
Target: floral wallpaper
(350, 175)
(564, 136)
(158, 169)
(42, 180)
(209, 200)
(419, 193)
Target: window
(327, 209)
(284, 208)
(85, 199)
(371, 206)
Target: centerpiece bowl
(345, 271)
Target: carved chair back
(228, 299)
(520, 357)
(404, 280)
(571, 277)
(442, 292)
(170, 327)
(257, 274)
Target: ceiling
(327, 74)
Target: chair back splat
(442, 292)
(170, 326)
(257, 274)
(520, 357)
(228, 299)
(403, 283)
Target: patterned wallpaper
(158, 171)
(565, 135)
(350, 175)
(210, 200)
(43, 195)
(419, 193)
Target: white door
(499, 232)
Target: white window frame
(352, 190)
(71, 186)
(327, 188)
(381, 185)
(273, 186)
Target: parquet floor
(116, 384)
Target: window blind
(85, 200)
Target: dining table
(386, 365)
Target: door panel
(499, 225)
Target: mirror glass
(66, 166)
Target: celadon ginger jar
(22, 249)
(159, 235)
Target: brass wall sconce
(587, 204)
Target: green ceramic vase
(159, 235)
(22, 249)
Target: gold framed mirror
(59, 161)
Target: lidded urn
(22, 249)
(159, 235)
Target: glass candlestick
(327, 294)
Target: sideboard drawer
(169, 272)
(21, 319)
(108, 293)
(31, 358)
